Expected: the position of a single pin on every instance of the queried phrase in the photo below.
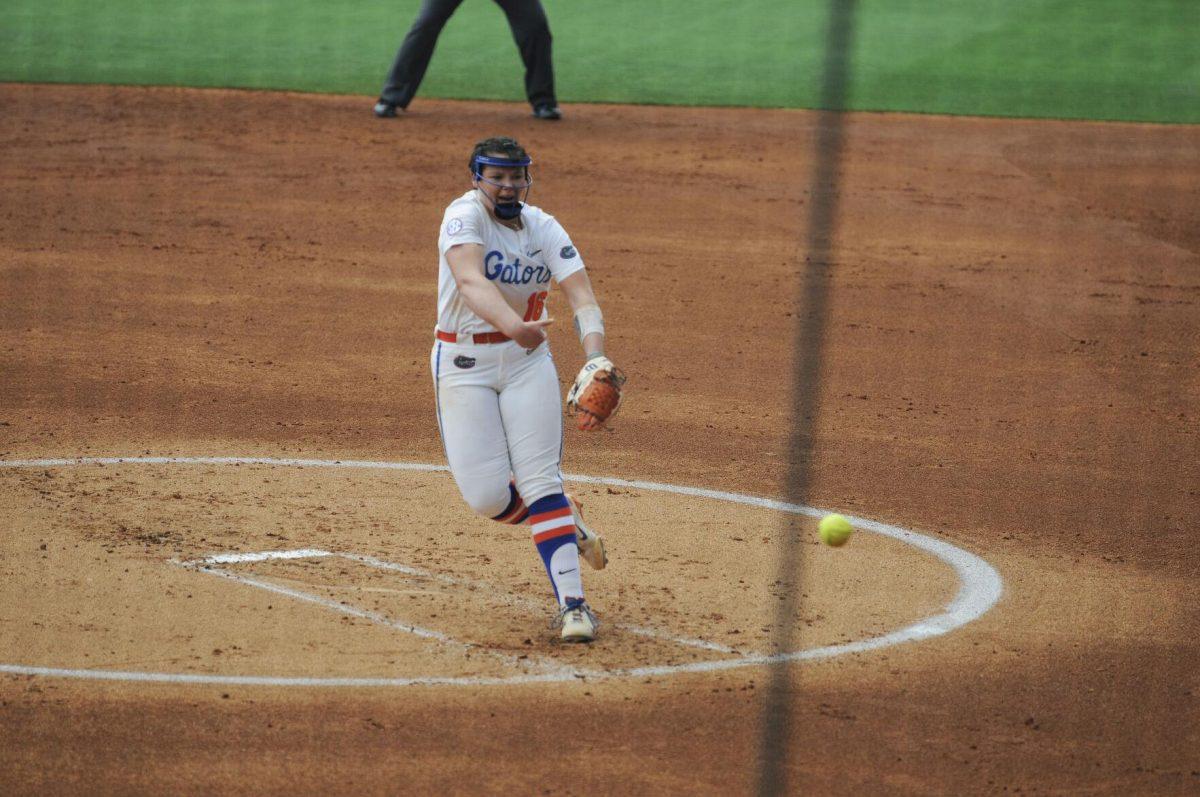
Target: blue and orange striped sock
(553, 529)
(515, 513)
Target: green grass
(1093, 59)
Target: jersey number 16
(537, 301)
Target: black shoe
(385, 110)
(549, 112)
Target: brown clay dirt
(1010, 364)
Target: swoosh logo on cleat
(568, 570)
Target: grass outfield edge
(369, 99)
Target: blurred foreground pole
(810, 336)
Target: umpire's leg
(413, 58)
(531, 31)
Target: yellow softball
(834, 530)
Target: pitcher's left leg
(531, 410)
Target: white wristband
(589, 319)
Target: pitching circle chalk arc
(980, 588)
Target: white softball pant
(499, 413)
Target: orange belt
(481, 337)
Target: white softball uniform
(499, 408)
(518, 262)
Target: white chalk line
(261, 556)
(538, 662)
(499, 596)
(980, 590)
(492, 591)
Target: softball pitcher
(496, 387)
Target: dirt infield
(1011, 366)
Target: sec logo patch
(454, 227)
(463, 361)
(567, 252)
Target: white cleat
(591, 547)
(578, 622)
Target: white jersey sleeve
(462, 223)
(561, 255)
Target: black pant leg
(413, 58)
(531, 30)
